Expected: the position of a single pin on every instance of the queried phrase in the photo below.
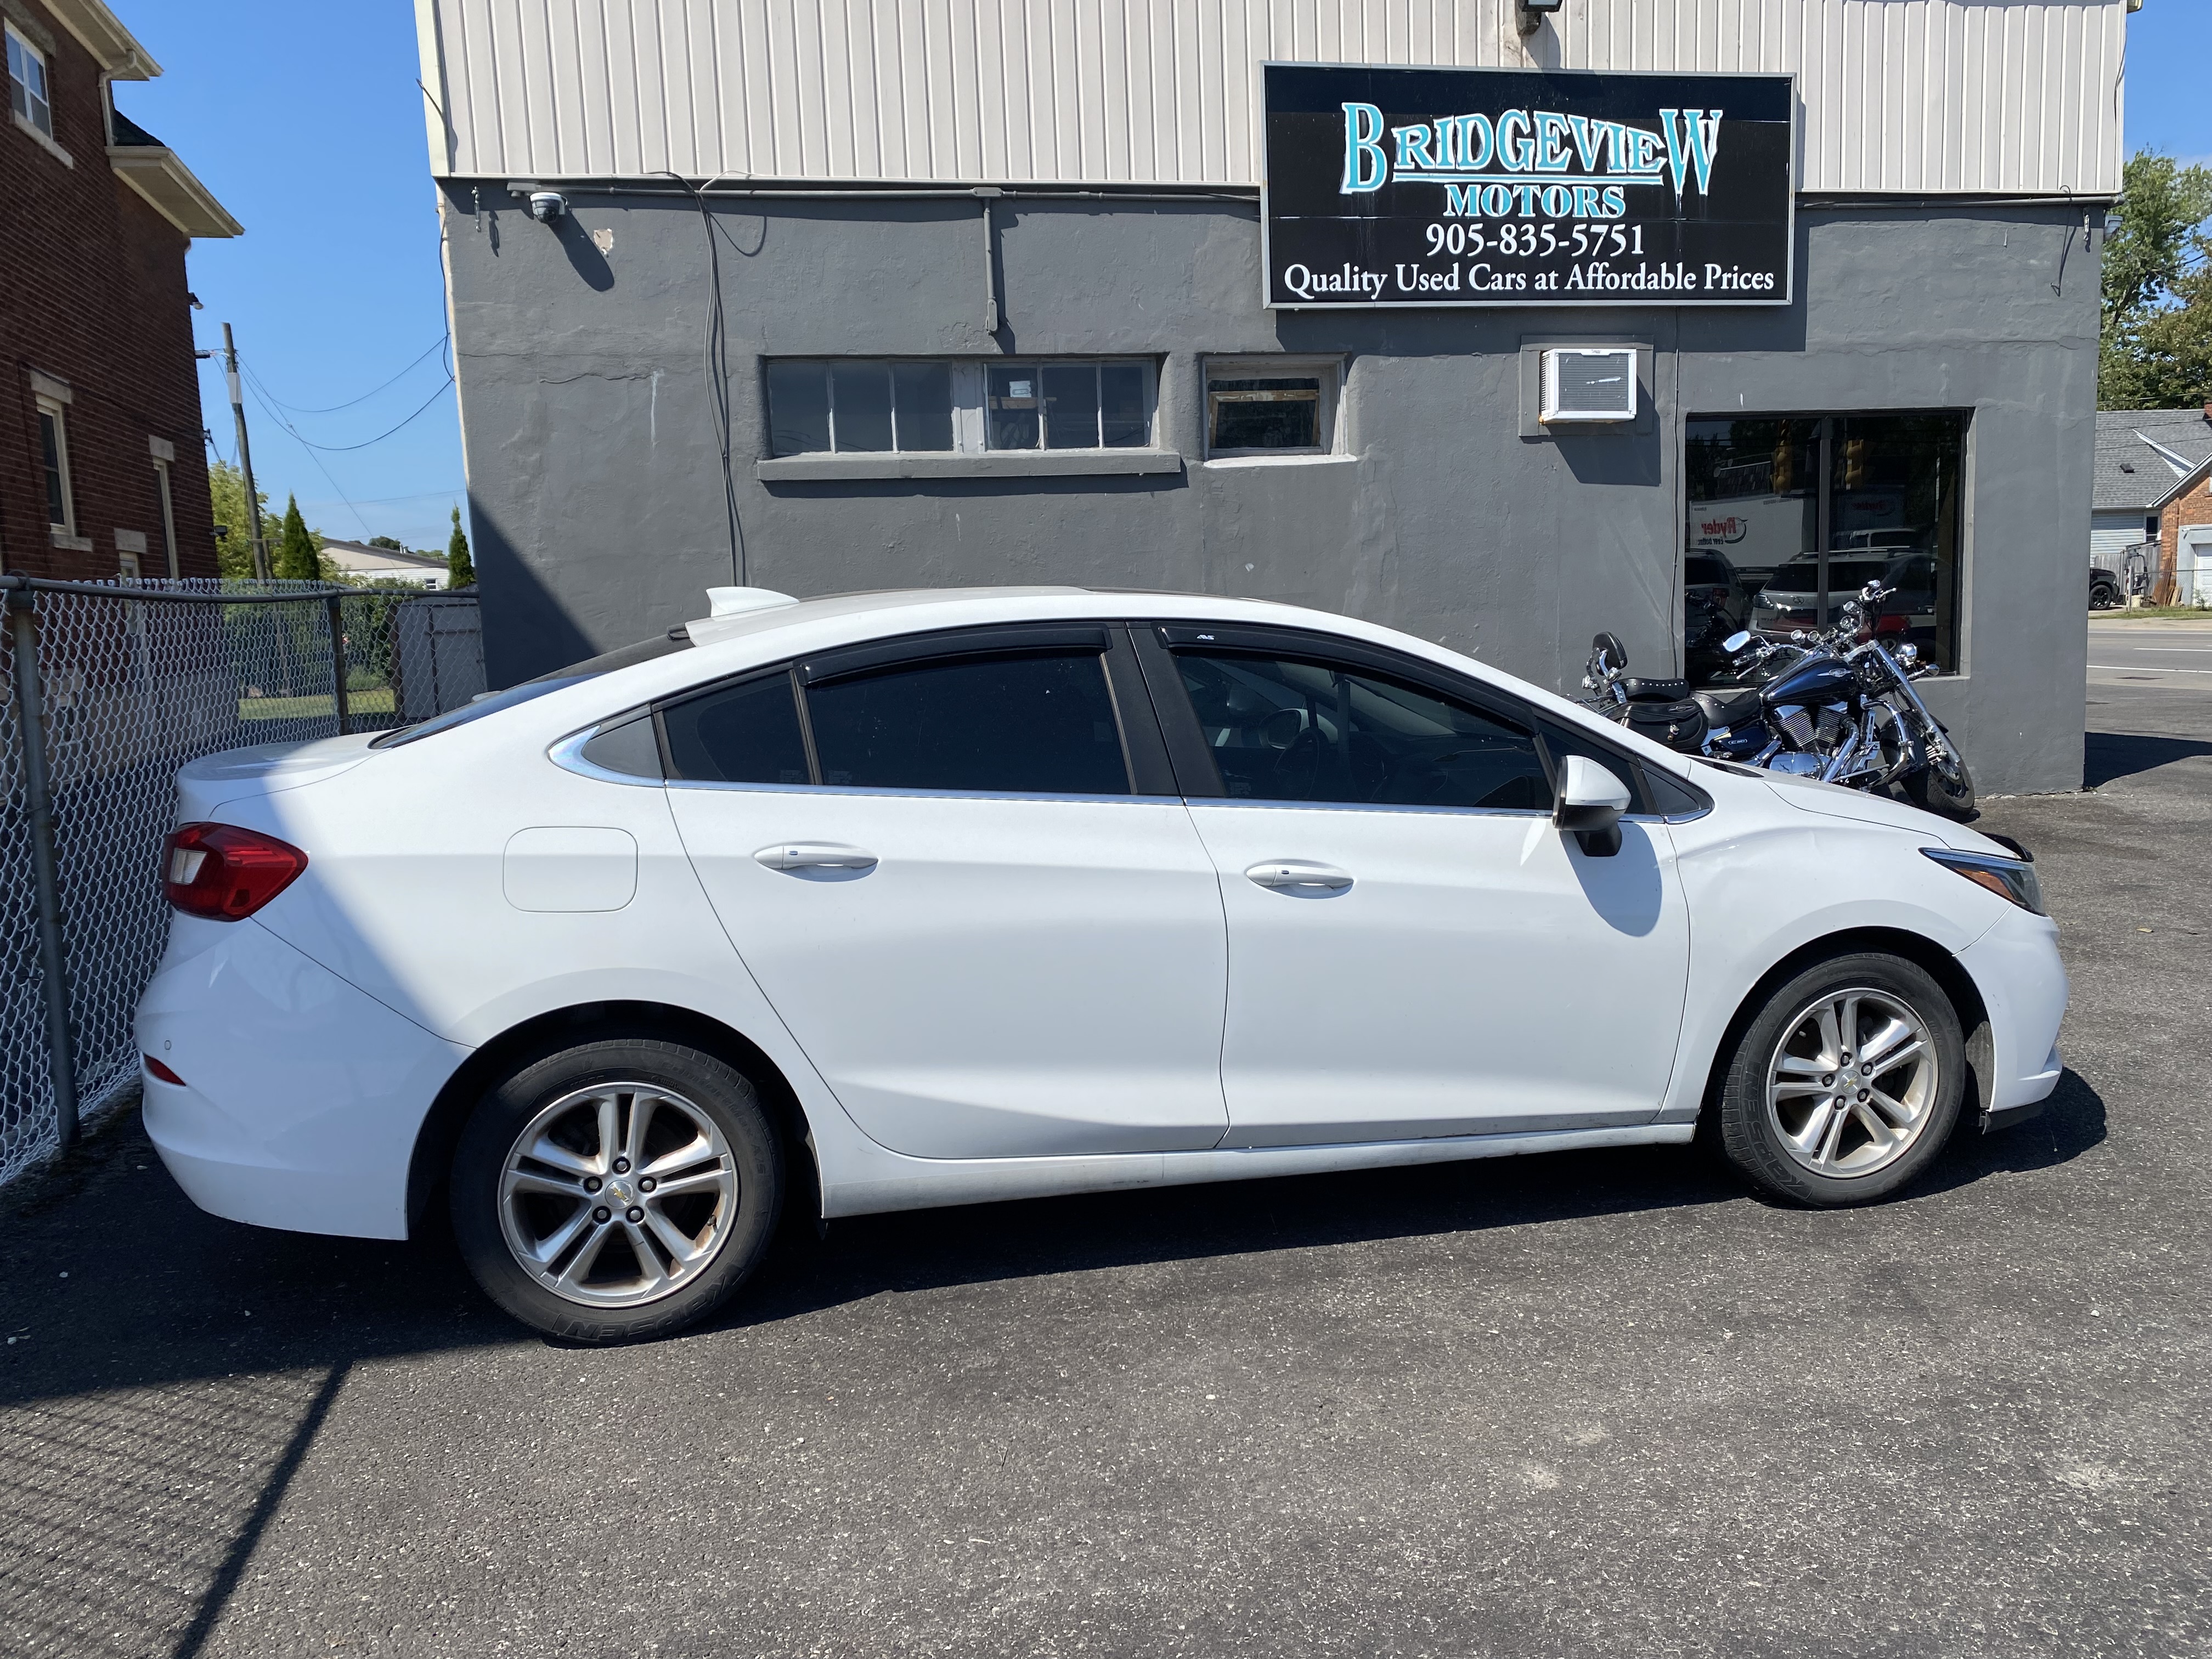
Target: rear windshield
(491, 702)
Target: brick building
(102, 468)
(2184, 515)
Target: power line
(334, 408)
(261, 394)
(253, 384)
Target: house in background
(2142, 455)
(364, 562)
(102, 471)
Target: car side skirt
(934, 1183)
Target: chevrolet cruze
(887, 901)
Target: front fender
(1830, 877)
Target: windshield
(491, 702)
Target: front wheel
(1846, 1084)
(1942, 785)
(616, 1190)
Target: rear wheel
(617, 1190)
(1846, 1085)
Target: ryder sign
(1458, 187)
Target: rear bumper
(302, 1095)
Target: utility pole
(245, 455)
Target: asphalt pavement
(1588, 1404)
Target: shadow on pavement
(2107, 755)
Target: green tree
(391, 542)
(297, 556)
(2154, 345)
(460, 570)
(233, 541)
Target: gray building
(976, 292)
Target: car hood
(1833, 801)
(206, 784)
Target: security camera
(1533, 12)
(547, 205)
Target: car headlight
(2008, 879)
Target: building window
(54, 462)
(1069, 405)
(27, 93)
(168, 505)
(1791, 515)
(847, 406)
(1270, 406)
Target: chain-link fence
(109, 689)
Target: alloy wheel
(1853, 1082)
(618, 1194)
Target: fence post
(38, 801)
(331, 603)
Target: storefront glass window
(1791, 516)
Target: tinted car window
(1285, 729)
(745, 734)
(1040, 723)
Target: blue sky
(305, 120)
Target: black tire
(1943, 786)
(660, 1093)
(2104, 596)
(1756, 1135)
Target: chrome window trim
(887, 793)
(568, 754)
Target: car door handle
(815, 855)
(1295, 876)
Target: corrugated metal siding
(1900, 96)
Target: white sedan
(888, 901)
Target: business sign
(1459, 187)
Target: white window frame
(1329, 371)
(168, 516)
(36, 117)
(1149, 397)
(54, 409)
(970, 422)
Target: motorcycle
(1836, 704)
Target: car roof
(729, 645)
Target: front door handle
(815, 855)
(1297, 876)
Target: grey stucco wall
(596, 491)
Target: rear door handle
(815, 855)
(1297, 876)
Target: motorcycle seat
(1656, 691)
(1728, 706)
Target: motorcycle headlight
(2013, 879)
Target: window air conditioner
(1589, 383)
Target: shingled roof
(2130, 473)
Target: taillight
(226, 873)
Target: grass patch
(2155, 613)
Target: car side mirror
(1591, 801)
